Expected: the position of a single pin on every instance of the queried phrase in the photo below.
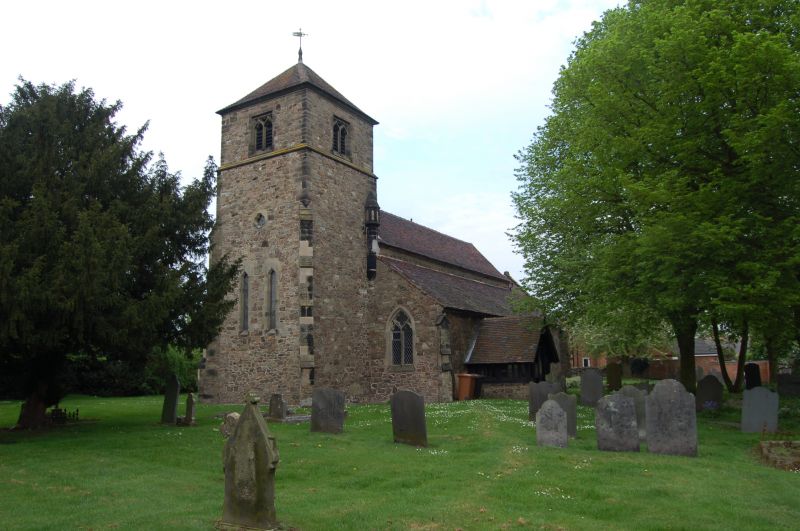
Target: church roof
(292, 79)
(511, 339)
(415, 238)
(453, 291)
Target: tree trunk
(721, 357)
(685, 329)
(32, 414)
(737, 385)
(772, 356)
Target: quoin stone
(614, 376)
(551, 425)
(638, 397)
(327, 411)
(408, 418)
(569, 403)
(759, 410)
(591, 387)
(615, 422)
(169, 411)
(709, 394)
(537, 395)
(752, 375)
(277, 407)
(671, 420)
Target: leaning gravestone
(551, 425)
(569, 403)
(591, 387)
(614, 376)
(228, 425)
(408, 418)
(759, 410)
(709, 394)
(671, 420)
(638, 397)
(537, 395)
(169, 412)
(277, 407)
(752, 376)
(250, 459)
(327, 411)
(615, 422)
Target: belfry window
(263, 133)
(402, 340)
(340, 137)
(307, 231)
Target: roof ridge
(441, 272)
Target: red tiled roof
(452, 291)
(507, 340)
(415, 238)
(292, 78)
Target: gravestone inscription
(759, 410)
(671, 420)
(638, 397)
(327, 410)
(709, 394)
(408, 418)
(169, 411)
(591, 387)
(615, 422)
(569, 403)
(551, 425)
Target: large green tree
(666, 180)
(101, 253)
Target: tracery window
(263, 133)
(340, 136)
(402, 339)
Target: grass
(483, 470)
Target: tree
(666, 176)
(100, 254)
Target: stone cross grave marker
(671, 420)
(250, 459)
(638, 397)
(591, 387)
(408, 418)
(169, 412)
(759, 410)
(709, 394)
(551, 425)
(614, 376)
(537, 395)
(569, 403)
(327, 411)
(615, 422)
(752, 376)
(277, 407)
(228, 425)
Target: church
(333, 292)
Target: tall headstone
(327, 410)
(188, 420)
(671, 420)
(591, 387)
(759, 410)
(551, 425)
(537, 395)
(614, 376)
(408, 418)
(709, 394)
(638, 397)
(169, 412)
(250, 459)
(752, 375)
(277, 407)
(615, 422)
(569, 403)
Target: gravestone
(569, 403)
(591, 387)
(615, 422)
(277, 407)
(752, 375)
(408, 418)
(638, 397)
(614, 376)
(709, 394)
(169, 412)
(188, 420)
(228, 425)
(537, 395)
(759, 410)
(327, 411)
(671, 420)
(718, 376)
(250, 459)
(551, 425)
(645, 387)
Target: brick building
(333, 292)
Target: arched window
(343, 141)
(244, 302)
(262, 131)
(272, 299)
(402, 339)
(336, 136)
(340, 136)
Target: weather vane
(300, 34)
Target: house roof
(453, 291)
(511, 339)
(403, 234)
(295, 77)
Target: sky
(458, 86)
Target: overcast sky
(458, 86)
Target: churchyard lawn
(119, 468)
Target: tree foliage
(665, 183)
(101, 253)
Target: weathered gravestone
(671, 420)
(188, 420)
(645, 387)
(277, 407)
(569, 403)
(537, 395)
(169, 412)
(709, 394)
(408, 418)
(759, 410)
(591, 387)
(638, 397)
(228, 425)
(615, 422)
(551, 425)
(327, 411)
(250, 459)
(752, 375)
(614, 376)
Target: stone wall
(517, 391)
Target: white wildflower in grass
(518, 449)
